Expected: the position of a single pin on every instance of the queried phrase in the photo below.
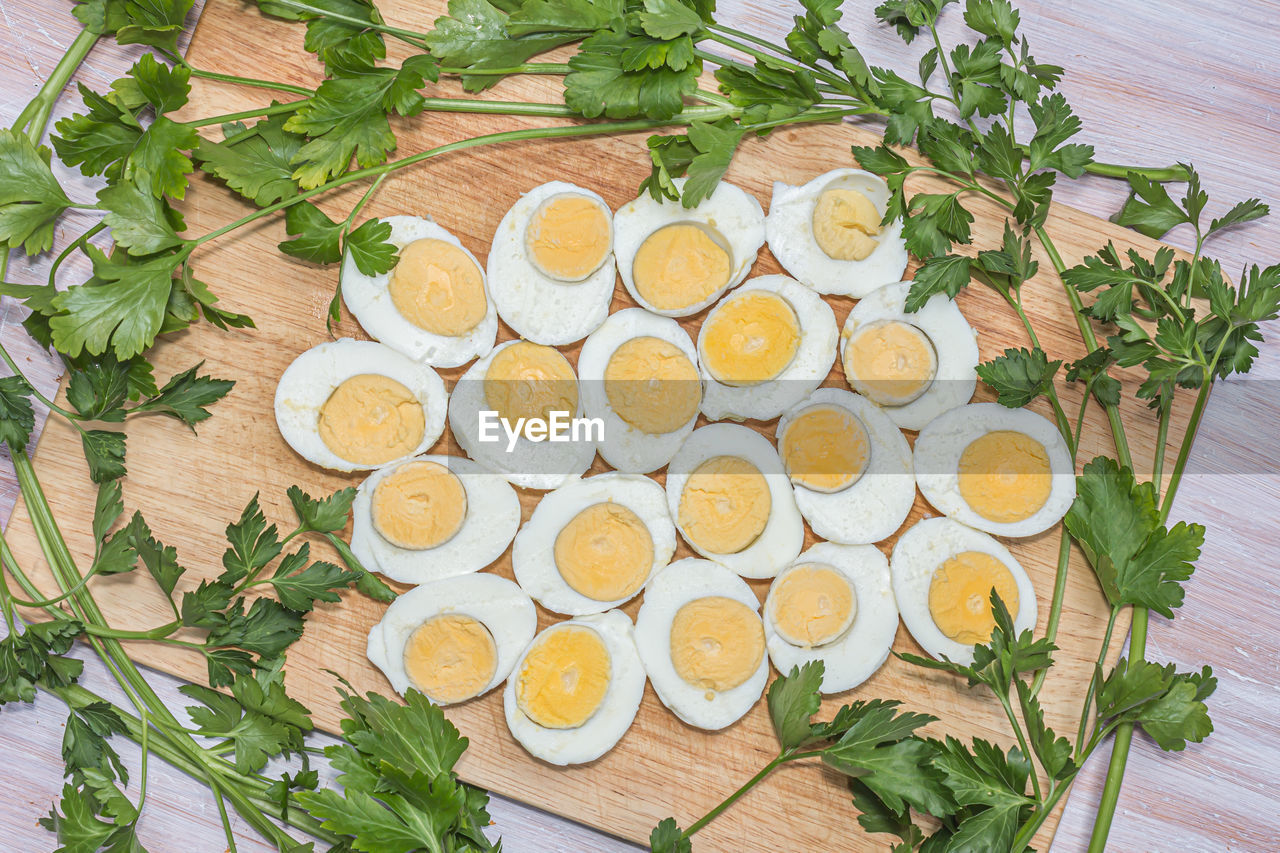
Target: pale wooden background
(1213, 69)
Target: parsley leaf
(253, 544)
(161, 560)
(368, 246)
(104, 450)
(17, 416)
(323, 515)
(152, 83)
(256, 162)
(667, 837)
(186, 395)
(262, 721)
(300, 590)
(35, 656)
(1168, 705)
(793, 699)
(31, 199)
(318, 238)
(140, 221)
(1019, 376)
(598, 83)
(940, 274)
(156, 22)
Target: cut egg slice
(576, 688)
(551, 268)
(675, 261)
(433, 305)
(433, 517)
(593, 544)
(828, 233)
(1005, 471)
(914, 366)
(356, 405)
(833, 604)
(453, 639)
(850, 467)
(702, 642)
(943, 574)
(763, 348)
(517, 384)
(732, 502)
(639, 373)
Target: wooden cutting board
(190, 486)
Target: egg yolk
(370, 419)
(1005, 476)
(812, 605)
(652, 385)
(527, 380)
(564, 678)
(437, 287)
(421, 505)
(725, 505)
(605, 552)
(717, 643)
(825, 448)
(450, 657)
(568, 237)
(890, 362)
(750, 338)
(960, 596)
(680, 265)
(845, 224)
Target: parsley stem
(235, 78)
(784, 756)
(1165, 174)
(746, 42)
(52, 406)
(1093, 680)
(553, 68)
(274, 109)
(306, 9)
(34, 117)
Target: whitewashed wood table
(1154, 83)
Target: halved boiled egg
(850, 466)
(1005, 471)
(593, 544)
(518, 384)
(943, 574)
(732, 501)
(453, 639)
(433, 517)
(551, 268)
(702, 642)
(355, 405)
(433, 305)
(914, 366)
(576, 689)
(764, 347)
(675, 261)
(639, 373)
(828, 233)
(834, 604)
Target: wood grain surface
(422, 188)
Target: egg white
(941, 443)
(675, 586)
(493, 515)
(783, 534)
(811, 364)
(530, 464)
(625, 447)
(954, 341)
(789, 227)
(533, 554)
(540, 308)
(855, 655)
(917, 555)
(369, 301)
(602, 731)
(497, 603)
(308, 382)
(876, 505)
(733, 213)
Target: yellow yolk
(717, 643)
(890, 362)
(564, 678)
(825, 448)
(450, 657)
(680, 265)
(370, 419)
(750, 338)
(960, 596)
(725, 505)
(812, 605)
(1005, 476)
(605, 552)
(419, 506)
(652, 385)
(568, 237)
(437, 287)
(528, 380)
(845, 224)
